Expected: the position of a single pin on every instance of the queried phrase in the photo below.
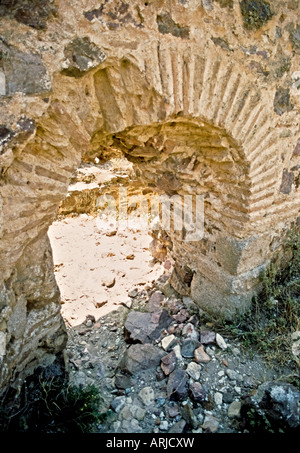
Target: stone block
(82, 55)
(24, 72)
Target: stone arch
(216, 107)
(184, 82)
(203, 89)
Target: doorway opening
(99, 264)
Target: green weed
(54, 406)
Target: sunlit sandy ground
(97, 267)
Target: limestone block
(238, 256)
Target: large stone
(146, 327)
(140, 357)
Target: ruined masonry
(203, 98)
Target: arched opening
(184, 123)
(101, 262)
(181, 159)
(191, 159)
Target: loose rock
(218, 397)
(233, 375)
(109, 283)
(220, 341)
(178, 427)
(211, 424)
(177, 350)
(140, 357)
(146, 395)
(296, 346)
(188, 347)
(123, 381)
(208, 337)
(189, 416)
(100, 304)
(234, 410)
(197, 392)
(276, 402)
(182, 316)
(145, 327)
(201, 356)
(194, 370)
(155, 302)
(133, 292)
(168, 363)
(118, 403)
(168, 342)
(189, 331)
(164, 425)
(177, 385)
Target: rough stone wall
(202, 96)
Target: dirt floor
(95, 269)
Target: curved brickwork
(202, 97)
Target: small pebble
(220, 341)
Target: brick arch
(194, 88)
(196, 83)
(180, 82)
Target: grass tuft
(53, 406)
